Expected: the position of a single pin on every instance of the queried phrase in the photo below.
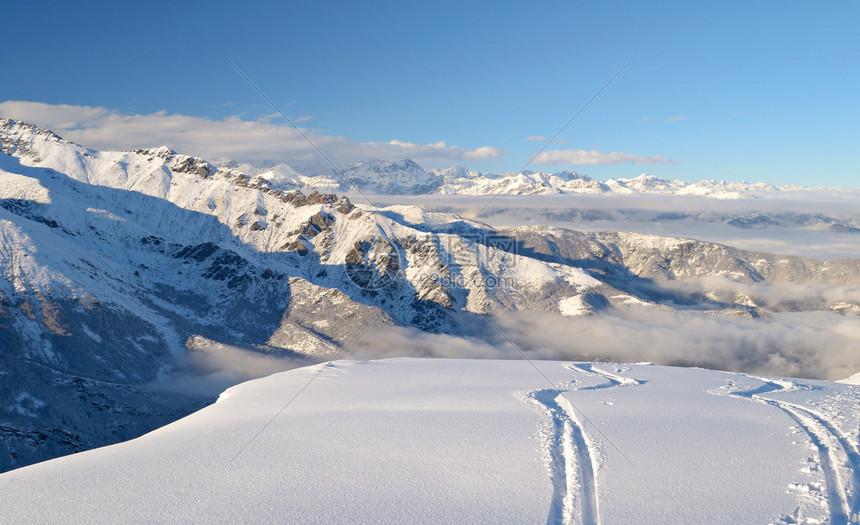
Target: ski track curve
(613, 380)
(827, 438)
(571, 455)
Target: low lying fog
(702, 218)
(817, 345)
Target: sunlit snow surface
(475, 441)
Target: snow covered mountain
(376, 176)
(540, 183)
(122, 269)
(465, 441)
(405, 177)
(526, 183)
(390, 177)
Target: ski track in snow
(570, 463)
(843, 491)
(571, 454)
(614, 380)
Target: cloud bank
(698, 217)
(818, 345)
(264, 140)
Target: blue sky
(759, 91)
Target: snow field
(474, 441)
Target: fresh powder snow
(414, 440)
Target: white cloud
(61, 116)
(560, 157)
(266, 139)
(484, 152)
(442, 150)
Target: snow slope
(465, 441)
(853, 380)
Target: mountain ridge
(406, 177)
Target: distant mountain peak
(163, 152)
(18, 137)
(390, 176)
(8, 125)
